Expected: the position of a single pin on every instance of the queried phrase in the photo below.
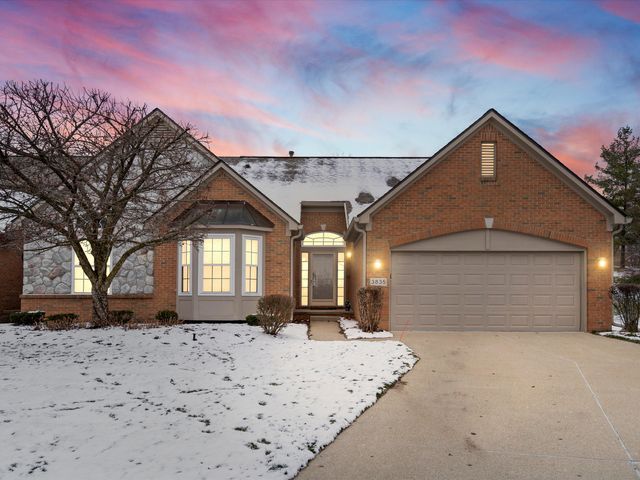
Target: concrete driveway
(499, 406)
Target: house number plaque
(378, 282)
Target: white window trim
(260, 265)
(180, 292)
(73, 274)
(232, 293)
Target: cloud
(577, 141)
(492, 35)
(629, 10)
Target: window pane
(226, 285)
(185, 262)
(323, 239)
(81, 283)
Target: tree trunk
(100, 316)
(623, 255)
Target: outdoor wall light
(349, 254)
(488, 222)
(602, 262)
(377, 264)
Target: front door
(322, 278)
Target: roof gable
(614, 216)
(222, 166)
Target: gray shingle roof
(288, 181)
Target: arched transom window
(323, 239)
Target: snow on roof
(288, 181)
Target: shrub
(626, 302)
(252, 320)
(62, 321)
(167, 317)
(120, 317)
(27, 318)
(102, 323)
(274, 312)
(633, 278)
(370, 306)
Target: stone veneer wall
(49, 272)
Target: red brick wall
(221, 187)
(334, 221)
(525, 198)
(11, 266)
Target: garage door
(485, 291)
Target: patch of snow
(618, 333)
(353, 332)
(625, 272)
(234, 404)
(289, 181)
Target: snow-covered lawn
(143, 404)
(352, 331)
(617, 332)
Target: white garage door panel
(485, 291)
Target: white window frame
(260, 265)
(74, 257)
(180, 265)
(232, 260)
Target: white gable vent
(488, 161)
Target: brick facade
(525, 197)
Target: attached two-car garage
(487, 280)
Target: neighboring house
(11, 265)
(490, 233)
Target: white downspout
(292, 266)
(364, 251)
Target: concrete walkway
(324, 329)
(499, 406)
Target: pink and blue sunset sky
(346, 78)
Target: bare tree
(82, 166)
